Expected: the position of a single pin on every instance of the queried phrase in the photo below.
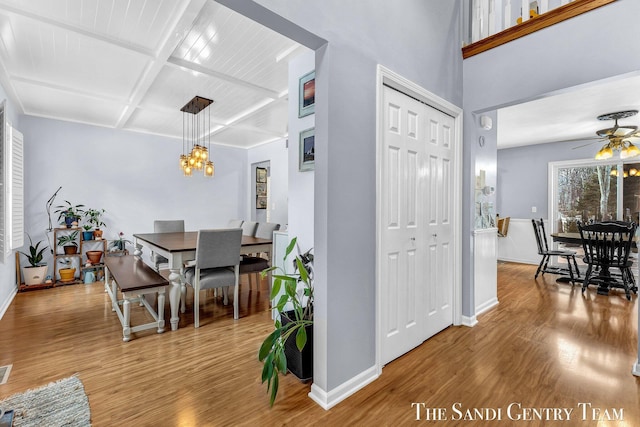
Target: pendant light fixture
(196, 137)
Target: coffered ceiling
(132, 64)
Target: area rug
(60, 403)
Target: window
(11, 187)
(593, 190)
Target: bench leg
(126, 328)
(161, 311)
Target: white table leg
(174, 297)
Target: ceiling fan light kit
(618, 137)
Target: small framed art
(307, 94)
(307, 150)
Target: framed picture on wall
(261, 202)
(261, 174)
(307, 94)
(261, 189)
(307, 150)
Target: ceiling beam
(181, 63)
(78, 30)
(183, 22)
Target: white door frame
(389, 78)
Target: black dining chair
(546, 253)
(607, 245)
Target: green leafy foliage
(69, 210)
(298, 301)
(35, 254)
(68, 239)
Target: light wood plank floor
(545, 345)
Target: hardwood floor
(545, 346)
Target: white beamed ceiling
(132, 64)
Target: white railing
(490, 17)
(491, 23)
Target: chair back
(607, 243)
(235, 223)
(168, 226)
(218, 248)
(541, 236)
(265, 230)
(249, 228)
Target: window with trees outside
(581, 191)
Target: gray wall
(134, 177)
(523, 178)
(276, 156)
(418, 39)
(556, 58)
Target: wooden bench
(134, 279)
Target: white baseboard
(328, 400)
(636, 368)
(519, 260)
(469, 321)
(7, 302)
(486, 306)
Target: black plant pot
(299, 363)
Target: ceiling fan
(617, 137)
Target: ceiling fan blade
(585, 145)
(587, 138)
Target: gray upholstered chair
(165, 226)
(253, 265)
(235, 223)
(217, 266)
(265, 230)
(249, 228)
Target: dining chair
(546, 253)
(216, 266)
(264, 230)
(249, 228)
(165, 226)
(608, 245)
(253, 265)
(235, 223)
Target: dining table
(179, 248)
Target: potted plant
(87, 234)
(69, 212)
(36, 272)
(119, 244)
(94, 217)
(290, 346)
(67, 273)
(68, 242)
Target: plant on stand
(290, 346)
(119, 244)
(69, 213)
(94, 217)
(68, 242)
(37, 271)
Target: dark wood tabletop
(187, 240)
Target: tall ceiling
(132, 64)
(570, 114)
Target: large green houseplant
(295, 322)
(36, 272)
(69, 212)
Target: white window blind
(11, 187)
(17, 190)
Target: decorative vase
(34, 275)
(67, 274)
(70, 250)
(94, 256)
(97, 233)
(87, 235)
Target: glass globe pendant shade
(605, 153)
(209, 169)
